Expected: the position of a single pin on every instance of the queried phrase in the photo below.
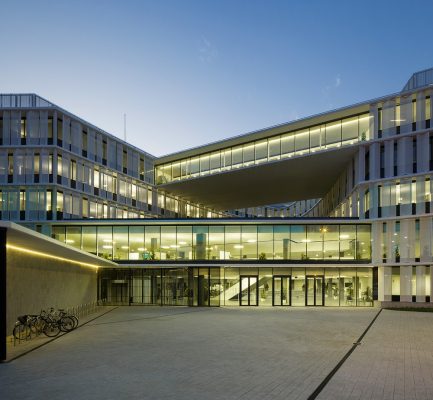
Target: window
(36, 163)
(59, 165)
(379, 122)
(125, 161)
(84, 140)
(413, 115)
(23, 130)
(59, 132)
(22, 200)
(50, 130)
(73, 170)
(10, 164)
(382, 161)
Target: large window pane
(184, 242)
(274, 148)
(249, 242)
(261, 149)
(314, 242)
(233, 241)
(287, 145)
(316, 138)
(350, 129)
(216, 243)
(215, 161)
(248, 154)
(331, 244)
(200, 242)
(237, 156)
(347, 242)
(120, 243)
(204, 164)
(73, 236)
(298, 243)
(152, 242)
(363, 241)
(168, 243)
(282, 242)
(302, 142)
(89, 239)
(105, 242)
(333, 134)
(195, 166)
(265, 245)
(136, 243)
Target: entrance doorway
(249, 290)
(314, 293)
(281, 290)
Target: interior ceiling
(306, 177)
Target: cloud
(337, 81)
(207, 51)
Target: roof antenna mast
(124, 127)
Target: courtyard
(231, 353)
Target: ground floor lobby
(239, 286)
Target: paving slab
(394, 361)
(189, 353)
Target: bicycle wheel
(21, 332)
(66, 324)
(51, 329)
(75, 319)
(36, 326)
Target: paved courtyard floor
(229, 353)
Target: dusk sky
(187, 73)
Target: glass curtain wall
(343, 242)
(238, 286)
(320, 137)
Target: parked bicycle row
(50, 323)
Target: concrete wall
(35, 283)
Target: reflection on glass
(105, 242)
(221, 242)
(333, 134)
(298, 287)
(120, 243)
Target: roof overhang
(23, 239)
(304, 177)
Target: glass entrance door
(281, 295)
(249, 293)
(314, 293)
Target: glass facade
(240, 242)
(339, 133)
(238, 286)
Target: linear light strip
(45, 255)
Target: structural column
(406, 283)
(420, 283)
(384, 283)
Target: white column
(422, 152)
(431, 284)
(420, 283)
(374, 161)
(406, 283)
(377, 241)
(384, 283)
(425, 237)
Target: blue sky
(191, 72)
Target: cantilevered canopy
(298, 178)
(23, 239)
